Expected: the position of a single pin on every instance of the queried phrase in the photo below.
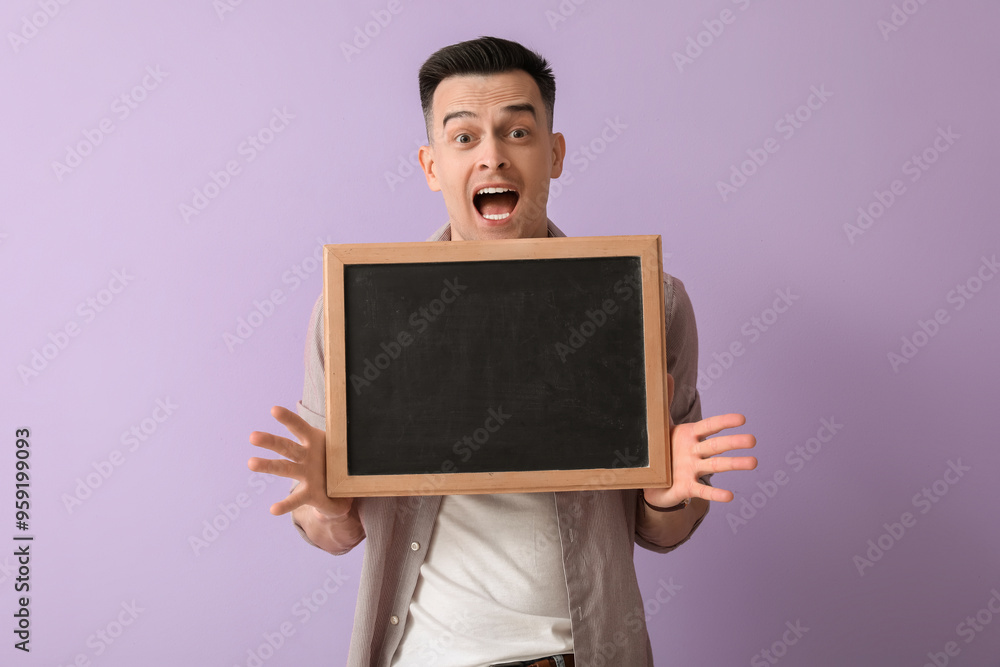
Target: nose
(493, 156)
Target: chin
(486, 230)
(495, 232)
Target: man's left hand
(695, 454)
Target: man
(530, 578)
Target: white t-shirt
(492, 587)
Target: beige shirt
(597, 529)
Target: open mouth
(495, 203)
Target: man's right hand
(329, 522)
(305, 462)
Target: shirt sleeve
(682, 364)
(682, 357)
(682, 351)
(312, 407)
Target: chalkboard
(492, 366)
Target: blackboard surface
(495, 366)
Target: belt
(564, 660)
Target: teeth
(492, 191)
(499, 216)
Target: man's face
(492, 132)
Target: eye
(463, 139)
(519, 134)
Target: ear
(558, 153)
(426, 157)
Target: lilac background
(324, 180)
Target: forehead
(482, 92)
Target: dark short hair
(486, 55)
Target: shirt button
(414, 546)
(394, 619)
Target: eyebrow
(509, 109)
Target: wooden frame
(338, 258)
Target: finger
(279, 467)
(297, 498)
(728, 464)
(712, 425)
(724, 443)
(718, 495)
(713, 493)
(710, 493)
(278, 445)
(298, 426)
